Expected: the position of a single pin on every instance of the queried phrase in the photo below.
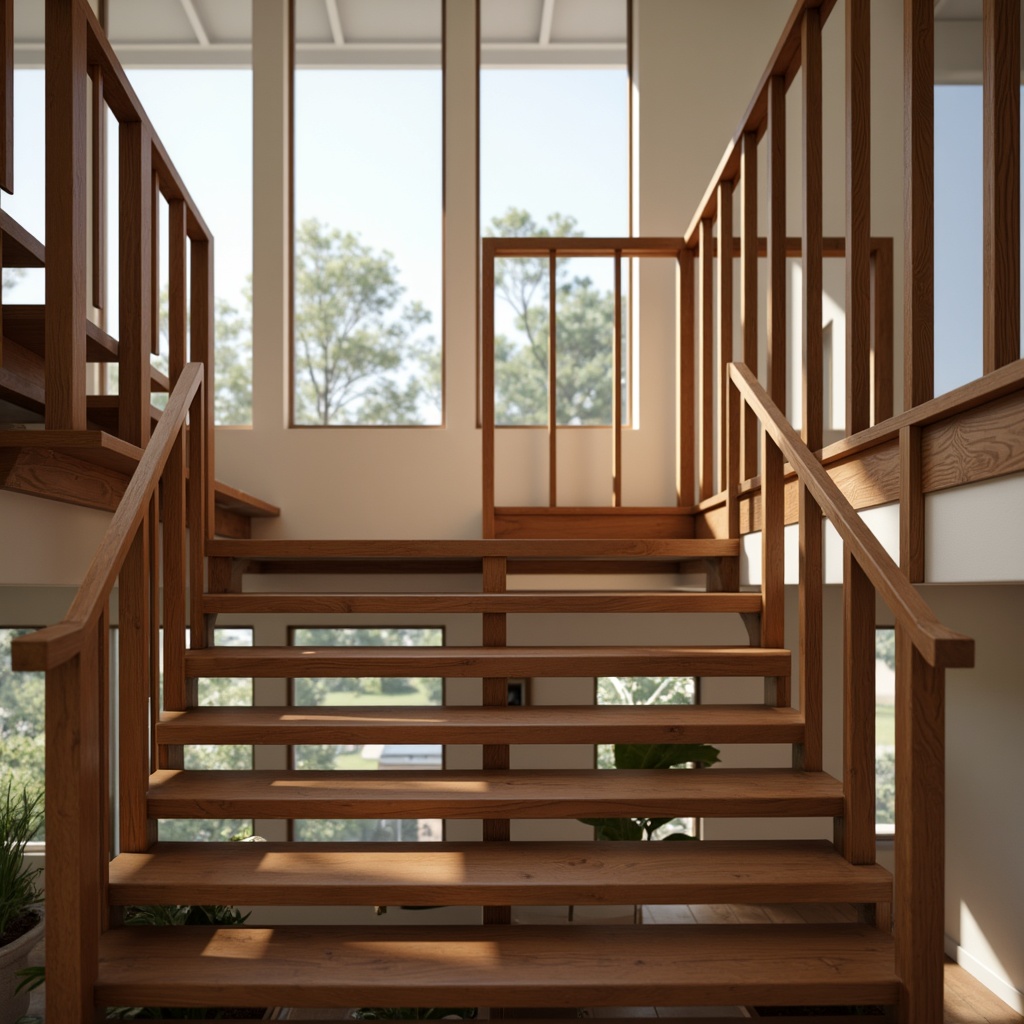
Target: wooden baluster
(858, 215)
(882, 349)
(920, 842)
(152, 527)
(706, 358)
(617, 387)
(809, 754)
(773, 562)
(197, 510)
(912, 521)
(725, 340)
(138, 830)
(99, 190)
(552, 380)
(65, 215)
(855, 831)
(685, 463)
(154, 268)
(202, 352)
(777, 241)
(487, 384)
(7, 95)
(733, 420)
(177, 289)
(1001, 73)
(495, 694)
(748, 287)
(105, 698)
(136, 282)
(918, 202)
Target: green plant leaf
(664, 755)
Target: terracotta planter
(14, 958)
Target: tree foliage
(584, 338)
(360, 356)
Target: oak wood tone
(552, 379)
(20, 248)
(574, 723)
(177, 287)
(7, 96)
(154, 266)
(920, 810)
(733, 427)
(748, 285)
(235, 500)
(52, 646)
(473, 662)
(883, 366)
(470, 874)
(487, 386)
(517, 793)
(542, 247)
(594, 522)
(494, 634)
(201, 338)
(856, 830)
(813, 380)
(938, 645)
(773, 552)
(912, 518)
(196, 513)
(137, 830)
(725, 326)
(65, 215)
(918, 202)
(521, 966)
(685, 446)
(1001, 191)
(811, 652)
(22, 377)
(151, 527)
(99, 189)
(776, 141)
(617, 388)
(55, 476)
(706, 362)
(496, 603)
(858, 215)
(135, 179)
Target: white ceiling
(352, 31)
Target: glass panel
(369, 757)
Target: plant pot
(14, 958)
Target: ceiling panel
(311, 23)
(226, 21)
(510, 21)
(589, 21)
(390, 21)
(148, 21)
(29, 21)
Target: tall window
(366, 757)
(368, 220)
(885, 729)
(554, 161)
(22, 715)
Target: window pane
(885, 729)
(377, 693)
(22, 706)
(647, 690)
(368, 219)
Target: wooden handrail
(939, 646)
(55, 645)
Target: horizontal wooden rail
(55, 645)
(939, 646)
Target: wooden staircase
(491, 964)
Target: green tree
(584, 336)
(360, 357)
(22, 716)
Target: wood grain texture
(177, 288)
(691, 723)
(705, 365)
(748, 286)
(858, 215)
(725, 343)
(7, 95)
(812, 577)
(196, 512)
(918, 202)
(883, 364)
(813, 360)
(469, 874)
(920, 810)
(487, 386)
(65, 215)
(53, 475)
(201, 336)
(474, 662)
(685, 423)
(912, 518)
(522, 966)
(583, 523)
(940, 646)
(542, 247)
(98, 183)
(1001, 189)
(773, 548)
(20, 248)
(518, 793)
(776, 142)
(22, 378)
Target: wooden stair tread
(669, 723)
(496, 662)
(534, 601)
(473, 874)
(526, 793)
(20, 247)
(666, 965)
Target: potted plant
(21, 913)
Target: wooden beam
(777, 241)
(748, 287)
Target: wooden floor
(967, 1000)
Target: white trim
(996, 984)
(547, 14)
(335, 19)
(196, 22)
